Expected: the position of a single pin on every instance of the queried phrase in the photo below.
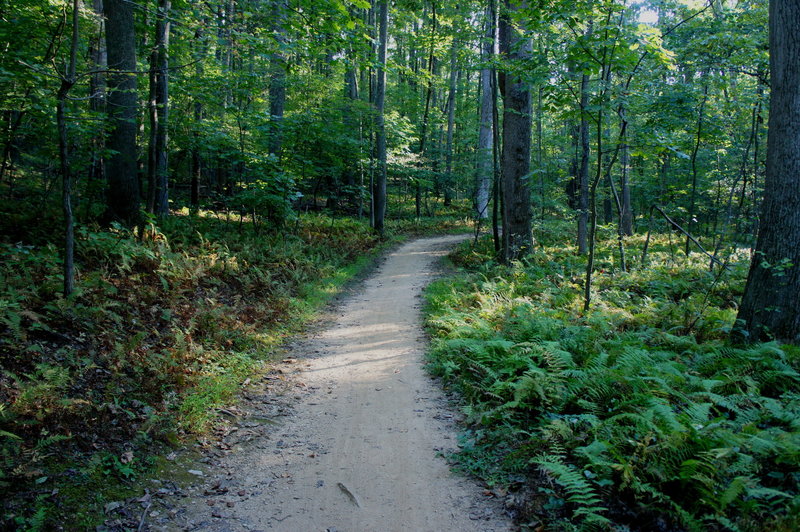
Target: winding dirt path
(361, 447)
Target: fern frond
(577, 488)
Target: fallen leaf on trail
(350, 494)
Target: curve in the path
(363, 450)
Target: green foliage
(271, 199)
(638, 410)
(163, 328)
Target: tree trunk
(539, 149)
(516, 142)
(693, 198)
(197, 160)
(451, 122)
(97, 103)
(161, 206)
(769, 306)
(123, 186)
(352, 123)
(626, 214)
(583, 173)
(152, 115)
(277, 85)
(428, 99)
(497, 191)
(379, 192)
(484, 168)
(67, 82)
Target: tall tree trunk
(451, 122)
(752, 142)
(97, 103)
(754, 190)
(351, 121)
(497, 189)
(516, 141)
(626, 214)
(485, 166)
(152, 115)
(379, 192)
(67, 82)
(698, 137)
(197, 159)
(123, 186)
(429, 93)
(769, 306)
(277, 85)
(161, 206)
(583, 173)
(540, 148)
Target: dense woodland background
(182, 182)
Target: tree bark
(451, 122)
(67, 82)
(626, 214)
(426, 113)
(97, 103)
(197, 160)
(379, 192)
(769, 306)
(277, 85)
(540, 149)
(152, 116)
(485, 167)
(351, 120)
(516, 142)
(693, 198)
(161, 206)
(123, 186)
(583, 173)
(497, 191)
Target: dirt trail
(361, 448)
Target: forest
(185, 184)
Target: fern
(734, 490)
(693, 431)
(577, 489)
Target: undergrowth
(159, 335)
(635, 415)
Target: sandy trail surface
(360, 429)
